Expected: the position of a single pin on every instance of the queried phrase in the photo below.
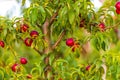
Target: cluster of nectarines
(29, 40)
(16, 67)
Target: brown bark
(46, 37)
(46, 31)
(54, 16)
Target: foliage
(49, 58)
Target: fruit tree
(61, 40)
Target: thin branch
(39, 26)
(74, 0)
(112, 26)
(59, 39)
(83, 50)
(13, 52)
(49, 22)
(40, 52)
(54, 16)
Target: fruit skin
(29, 76)
(34, 34)
(23, 61)
(24, 28)
(70, 42)
(15, 67)
(117, 11)
(88, 67)
(117, 5)
(2, 44)
(102, 26)
(28, 41)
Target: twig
(38, 25)
(59, 39)
(40, 52)
(54, 16)
(113, 26)
(14, 53)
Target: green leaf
(63, 12)
(34, 70)
(62, 61)
(34, 15)
(71, 16)
(85, 4)
(1, 75)
(23, 2)
(42, 9)
(51, 59)
(103, 46)
(99, 64)
(43, 13)
(95, 43)
(48, 11)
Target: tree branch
(59, 40)
(112, 26)
(46, 31)
(46, 36)
(54, 16)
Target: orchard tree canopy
(61, 40)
